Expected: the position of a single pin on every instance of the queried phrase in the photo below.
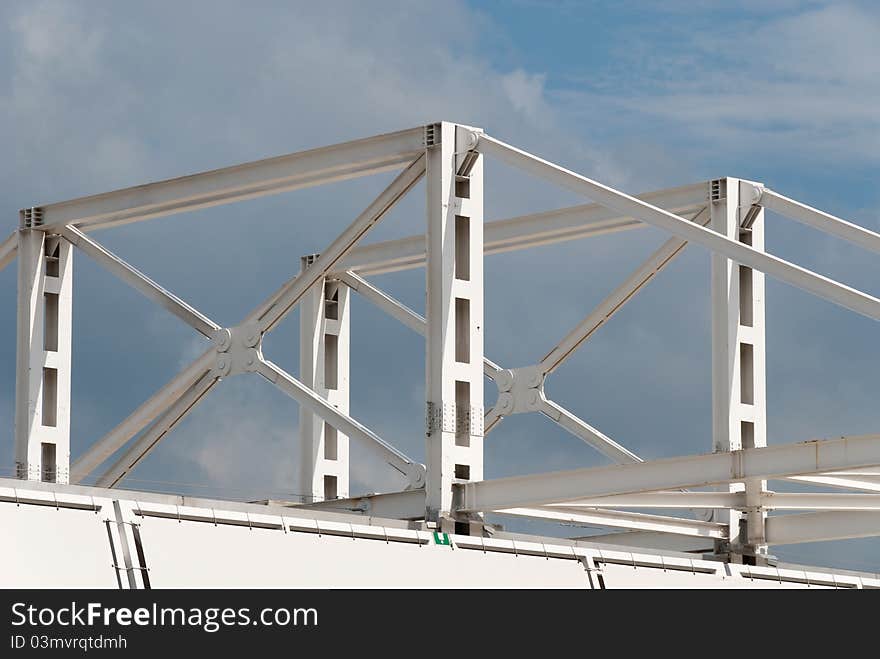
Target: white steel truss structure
(449, 492)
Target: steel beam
(8, 250)
(142, 416)
(247, 181)
(820, 501)
(140, 282)
(145, 444)
(526, 231)
(395, 309)
(400, 311)
(43, 356)
(454, 311)
(843, 482)
(822, 526)
(268, 315)
(651, 540)
(311, 401)
(739, 401)
(579, 428)
(408, 504)
(814, 456)
(616, 300)
(324, 340)
(768, 500)
(661, 500)
(821, 220)
(625, 204)
(863, 472)
(491, 420)
(622, 520)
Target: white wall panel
(617, 576)
(45, 547)
(199, 554)
(48, 546)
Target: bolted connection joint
(415, 475)
(238, 350)
(519, 390)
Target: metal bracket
(239, 350)
(520, 390)
(750, 197)
(449, 417)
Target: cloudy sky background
(101, 95)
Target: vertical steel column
(739, 417)
(454, 311)
(324, 367)
(42, 386)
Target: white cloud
(526, 94)
(56, 35)
(805, 82)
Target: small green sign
(442, 539)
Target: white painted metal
(267, 316)
(821, 220)
(844, 482)
(141, 282)
(769, 501)
(822, 526)
(652, 541)
(526, 231)
(664, 255)
(151, 437)
(410, 504)
(620, 519)
(586, 432)
(141, 417)
(662, 500)
(400, 311)
(454, 309)
(451, 490)
(407, 504)
(43, 355)
(385, 302)
(739, 408)
(250, 180)
(324, 367)
(308, 399)
(261, 320)
(820, 501)
(790, 273)
(672, 473)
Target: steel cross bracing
(724, 215)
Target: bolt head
(222, 339)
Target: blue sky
(101, 95)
